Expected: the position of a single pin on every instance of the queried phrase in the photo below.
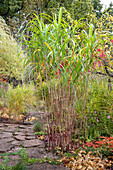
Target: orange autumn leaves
(105, 142)
(1, 80)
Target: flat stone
(4, 147)
(1, 124)
(34, 142)
(13, 125)
(30, 134)
(35, 152)
(5, 135)
(16, 143)
(15, 149)
(6, 140)
(20, 133)
(26, 130)
(29, 137)
(28, 123)
(24, 126)
(9, 130)
(10, 125)
(19, 137)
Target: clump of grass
(38, 126)
(20, 99)
(65, 55)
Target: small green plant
(21, 165)
(38, 127)
(40, 133)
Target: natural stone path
(14, 137)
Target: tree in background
(77, 8)
(15, 11)
(110, 9)
(9, 7)
(97, 6)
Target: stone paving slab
(19, 137)
(11, 125)
(6, 140)
(16, 143)
(1, 124)
(46, 166)
(35, 152)
(15, 149)
(1, 128)
(33, 142)
(26, 130)
(30, 137)
(20, 133)
(4, 147)
(10, 130)
(24, 126)
(5, 135)
(14, 137)
(29, 134)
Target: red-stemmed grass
(61, 118)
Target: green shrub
(20, 99)
(99, 107)
(11, 63)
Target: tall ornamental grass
(63, 53)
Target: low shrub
(20, 99)
(38, 127)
